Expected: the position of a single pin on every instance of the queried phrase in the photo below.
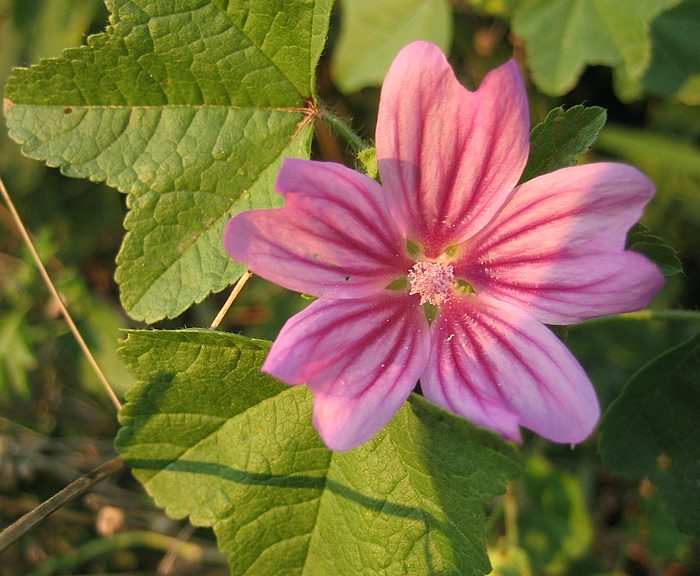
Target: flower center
(432, 280)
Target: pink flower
(448, 230)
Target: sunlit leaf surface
(212, 438)
(189, 108)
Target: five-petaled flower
(447, 235)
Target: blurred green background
(569, 515)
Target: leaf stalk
(343, 129)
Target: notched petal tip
(421, 53)
(507, 77)
(449, 157)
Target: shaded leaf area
(675, 36)
(640, 239)
(213, 438)
(563, 36)
(561, 137)
(652, 430)
(657, 528)
(189, 108)
(373, 32)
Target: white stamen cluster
(432, 280)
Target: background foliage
(207, 144)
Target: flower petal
(334, 237)
(499, 367)
(361, 359)
(557, 248)
(449, 157)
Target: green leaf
(213, 438)
(563, 36)
(373, 32)
(187, 106)
(650, 522)
(674, 55)
(557, 141)
(675, 36)
(555, 526)
(16, 357)
(652, 430)
(641, 240)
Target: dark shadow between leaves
(247, 478)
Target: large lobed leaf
(563, 36)
(187, 106)
(675, 49)
(652, 430)
(213, 438)
(373, 31)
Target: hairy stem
(342, 129)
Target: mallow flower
(448, 271)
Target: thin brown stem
(229, 302)
(73, 490)
(166, 564)
(49, 284)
